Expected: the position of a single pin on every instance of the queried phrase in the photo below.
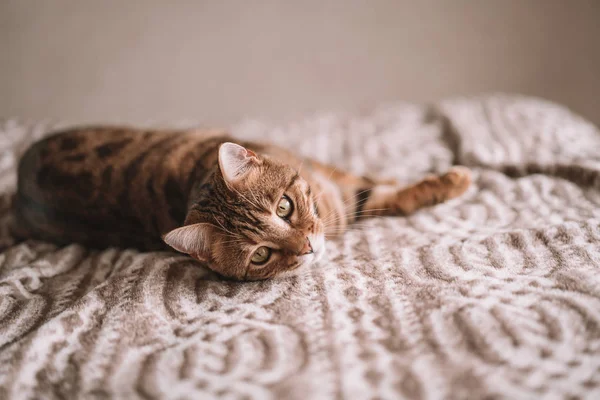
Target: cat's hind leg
(390, 200)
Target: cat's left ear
(191, 239)
(236, 161)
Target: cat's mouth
(318, 248)
(317, 243)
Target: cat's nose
(307, 249)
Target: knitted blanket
(492, 295)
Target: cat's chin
(319, 250)
(307, 262)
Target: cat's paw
(458, 179)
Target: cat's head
(256, 218)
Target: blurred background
(221, 61)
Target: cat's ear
(236, 161)
(191, 239)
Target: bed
(492, 295)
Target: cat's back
(106, 179)
(74, 149)
(79, 162)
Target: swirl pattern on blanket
(494, 294)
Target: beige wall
(217, 61)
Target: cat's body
(219, 203)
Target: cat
(249, 211)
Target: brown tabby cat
(248, 210)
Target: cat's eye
(285, 207)
(261, 255)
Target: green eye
(285, 207)
(261, 255)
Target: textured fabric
(493, 295)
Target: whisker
(359, 213)
(345, 202)
(340, 218)
(237, 239)
(319, 194)
(349, 228)
(341, 232)
(328, 179)
(254, 203)
(343, 229)
(358, 203)
(300, 167)
(346, 229)
(254, 197)
(222, 227)
(332, 172)
(245, 198)
(232, 243)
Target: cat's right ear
(191, 239)
(235, 162)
